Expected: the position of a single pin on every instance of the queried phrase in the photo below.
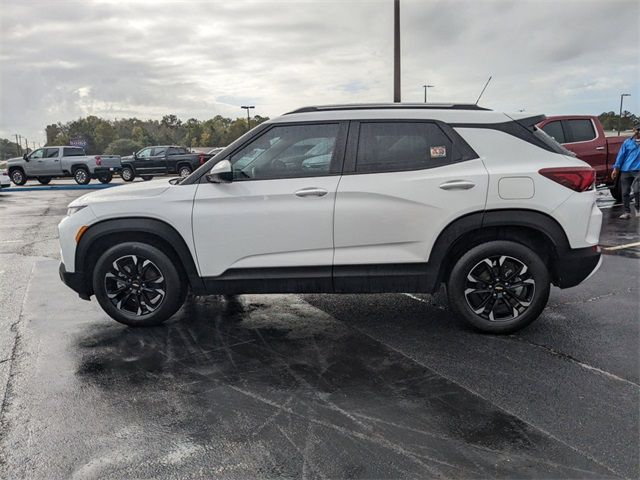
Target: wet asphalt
(313, 386)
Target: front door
(49, 164)
(275, 219)
(142, 162)
(404, 182)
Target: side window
(396, 146)
(37, 154)
(73, 152)
(159, 151)
(554, 129)
(144, 153)
(287, 152)
(173, 151)
(581, 130)
(51, 152)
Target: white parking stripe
(622, 247)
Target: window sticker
(438, 152)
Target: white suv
(349, 199)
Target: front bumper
(575, 266)
(75, 281)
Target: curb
(58, 187)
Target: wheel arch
(99, 237)
(183, 163)
(536, 230)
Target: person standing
(628, 167)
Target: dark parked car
(161, 160)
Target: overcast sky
(60, 60)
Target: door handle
(599, 148)
(457, 185)
(311, 192)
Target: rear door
(404, 182)
(583, 138)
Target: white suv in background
(350, 199)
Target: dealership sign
(78, 142)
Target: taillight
(98, 160)
(201, 159)
(578, 179)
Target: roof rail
(389, 106)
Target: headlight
(72, 210)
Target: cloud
(60, 60)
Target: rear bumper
(75, 281)
(575, 266)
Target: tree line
(123, 136)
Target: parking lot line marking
(622, 247)
(11, 241)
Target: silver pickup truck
(46, 163)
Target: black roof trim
(390, 106)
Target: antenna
(485, 87)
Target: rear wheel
(127, 174)
(105, 178)
(146, 178)
(44, 180)
(18, 177)
(138, 284)
(499, 286)
(81, 176)
(616, 191)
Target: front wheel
(44, 180)
(105, 178)
(184, 171)
(499, 286)
(18, 177)
(138, 284)
(81, 176)
(127, 174)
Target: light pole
(425, 91)
(622, 95)
(247, 108)
(396, 51)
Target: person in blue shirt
(628, 167)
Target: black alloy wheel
(138, 284)
(499, 286)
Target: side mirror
(221, 172)
(25, 157)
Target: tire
(18, 177)
(616, 191)
(81, 176)
(184, 171)
(105, 178)
(127, 174)
(146, 178)
(473, 285)
(127, 299)
(44, 180)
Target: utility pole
(248, 108)
(396, 51)
(19, 146)
(425, 91)
(622, 95)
